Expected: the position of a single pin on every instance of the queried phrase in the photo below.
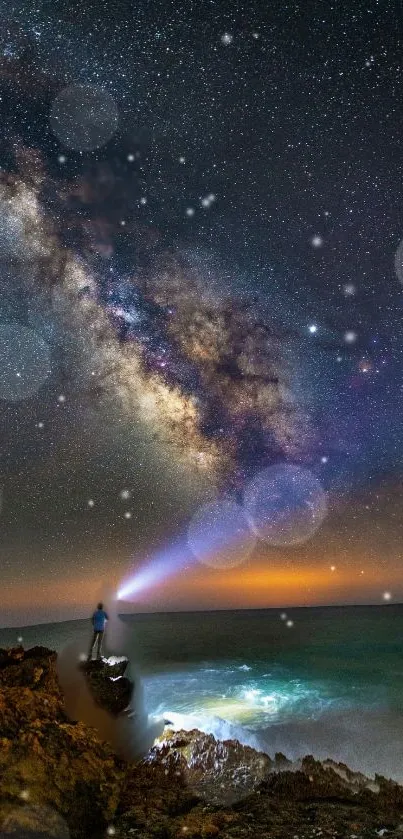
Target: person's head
(100, 606)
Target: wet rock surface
(57, 779)
(108, 684)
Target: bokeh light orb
(219, 535)
(84, 117)
(285, 505)
(25, 362)
(399, 261)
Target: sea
(325, 681)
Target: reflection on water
(242, 694)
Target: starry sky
(201, 281)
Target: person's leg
(99, 645)
(92, 646)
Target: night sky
(201, 283)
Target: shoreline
(187, 783)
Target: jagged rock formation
(58, 780)
(108, 684)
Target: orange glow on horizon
(258, 584)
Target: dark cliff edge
(57, 779)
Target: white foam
(115, 659)
(209, 724)
(370, 742)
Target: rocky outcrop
(108, 684)
(57, 779)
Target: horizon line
(214, 611)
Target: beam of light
(162, 566)
(219, 536)
(283, 505)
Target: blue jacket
(98, 620)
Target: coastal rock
(34, 668)
(57, 779)
(108, 685)
(219, 772)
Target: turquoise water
(330, 685)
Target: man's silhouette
(98, 622)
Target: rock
(281, 761)
(110, 689)
(35, 668)
(11, 655)
(58, 780)
(220, 772)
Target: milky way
(200, 238)
(203, 374)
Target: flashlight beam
(164, 565)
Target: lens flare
(286, 504)
(399, 261)
(84, 117)
(219, 535)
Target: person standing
(99, 619)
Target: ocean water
(330, 685)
